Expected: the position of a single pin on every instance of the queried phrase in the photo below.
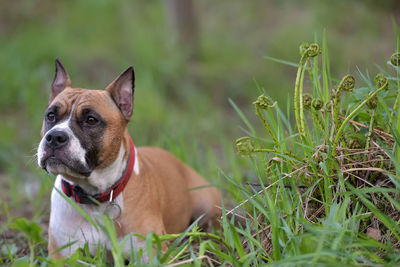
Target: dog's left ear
(121, 90)
(61, 80)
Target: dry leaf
(374, 233)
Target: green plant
(329, 188)
(33, 234)
(295, 208)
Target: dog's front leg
(52, 246)
(134, 243)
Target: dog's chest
(68, 226)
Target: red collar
(82, 197)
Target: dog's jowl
(86, 145)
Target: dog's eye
(51, 116)
(91, 120)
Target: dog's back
(176, 191)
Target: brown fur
(166, 195)
(168, 198)
(163, 198)
(100, 101)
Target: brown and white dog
(85, 142)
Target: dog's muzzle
(60, 152)
(56, 139)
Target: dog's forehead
(79, 98)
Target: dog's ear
(61, 81)
(121, 90)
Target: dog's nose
(56, 139)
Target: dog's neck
(102, 179)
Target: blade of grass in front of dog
(368, 190)
(149, 246)
(397, 36)
(284, 120)
(9, 252)
(179, 239)
(282, 61)
(108, 228)
(365, 77)
(157, 241)
(251, 239)
(78, 209)
(269, 212)
(274, 220)
(200, 187)
(325, 68)
(395, 157)
(201, 251)
(386, 220)
(243, 117)
(231, 234)
(64, 246)
(392, 201)
(315, 75)
(222, 256)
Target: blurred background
(190, 57)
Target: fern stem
(354, 112)
(259, 113)
(297, 95)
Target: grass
(332, 196)
(304, 201)
(324, 193)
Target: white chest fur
(69, 226)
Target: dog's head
(83, 129)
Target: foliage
(330, 188)
(323, 193)
(327, 190)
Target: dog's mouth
(55, 165)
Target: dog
(86, 145)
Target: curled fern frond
(310, 50)
(317, 103)
(372, 103)
(245, 145)
(303, 47)
(347, 83)
(263, 102)
(313, 50)
(395, 59)
(307, 100)
(381, 81)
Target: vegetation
(317, 181)
(330, 187)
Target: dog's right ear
(121, 90)
(61, 81)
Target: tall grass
(325, 192)
(329, 189)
